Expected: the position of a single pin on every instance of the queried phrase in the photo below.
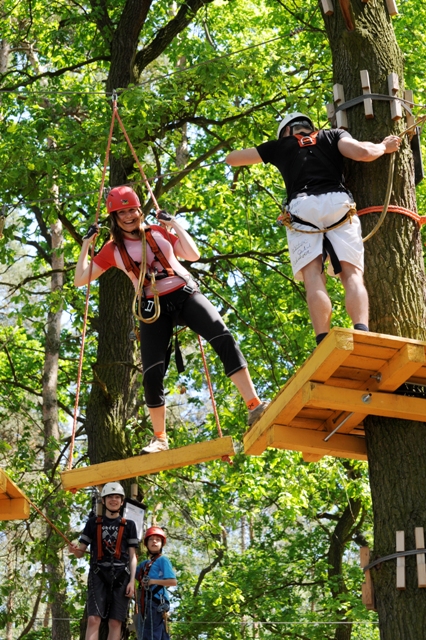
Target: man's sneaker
(254, 415)
(155, 445)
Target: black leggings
(196, 312)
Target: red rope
(421, 220)
(86, 307)
(225, 458)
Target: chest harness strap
(117, 552)
(131, 265)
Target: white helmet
(290, 118)
(112, 488)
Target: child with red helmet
(154, 576)
(179, 299)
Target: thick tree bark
(394, 274)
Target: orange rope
(49, 522)
(225, 458)
(86, 307)
(145, 179)
(421, 220)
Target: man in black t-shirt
(111, 582)
(311, 164)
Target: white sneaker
(254, 415)
(155, 445)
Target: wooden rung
(327, 7)
(147, 464)
(421, 567)
(392, 8)
(365, 84)
(400, 562)
(367, 587)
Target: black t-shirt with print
(304, 169)
(110, 528)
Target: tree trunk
(56, 570)
(394, 274)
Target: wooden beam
(392, 8)
(323, 362)
(421, 567)
(3, 481)
(376, 403)
(147, 464)
(14, 509)
(368, 103)
(312, 442)
(311, 457)
(402, 365)
(409, 359)
(400, 562)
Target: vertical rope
(225, 458)
(86, 307)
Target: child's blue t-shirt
(161, 569)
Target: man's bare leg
(319, 303)
(356, 298)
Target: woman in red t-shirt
(181, 303)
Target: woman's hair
(116, 233)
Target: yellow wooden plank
(372, 350)
(312, 457)
(147, 464)
(312, 442)
(364, 363)
(3, 481)
(378, 404)
(382, 339)
(409, 359)
(393, 373)
(14, 509)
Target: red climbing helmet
(122, 198)
(154, 531)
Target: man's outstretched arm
(243, 157)
(367, 151)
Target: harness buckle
(306, 141)
(188, 289)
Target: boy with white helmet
(311, 164)
(112, 541)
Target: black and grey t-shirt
(109, 536)
(312, 170)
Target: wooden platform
(13, 503)
(350, 375)
(143, 465)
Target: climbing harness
(286, 219)
(112, 576)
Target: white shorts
(323, 211)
